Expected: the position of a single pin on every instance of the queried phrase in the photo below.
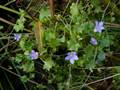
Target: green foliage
(96, 4)
(106, 41)
(19, 26)
(101, 56)
(74, 10)
(89, 57)
(87, 27)
(44, 14)
(1, 27)
(73, 45)
(48, 64)
(24, 78)
(71, 33)
(19, 58)
(26, 44)
(28, 67)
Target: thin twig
(12, 1)
(102, 79)
(113, 25)
(14, 11)
(101, 68)
(86, 80)
(95, 81)
(33, 82)
(6, 46)
(10, 23)
(105, 10)
(11, 86)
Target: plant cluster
(69, 46)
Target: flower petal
(93, 41)
(98, 26)
(33, 55)
(72, 61)
(67, 58)
(100, 23)
(17, 37)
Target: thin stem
(29, 4)
(101, 68)
(66, 7)
(33, 82)
(105, 10)
(13, 11)
(85, 81)
(9, 2)
(73, 88)
(19, 74)
(12, 88)
(6, 46)
(8, 9)
(10, 23)
(69, 79)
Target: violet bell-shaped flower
(72, 56)
(33, 55)
(93, 41)
(99, 26)
(17, 37)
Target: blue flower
(72, 56)
(33, 55)
(98, 26)
(93, 41)
(17, 37)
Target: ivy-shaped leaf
(48, 64)
(24, 78)
(19, 26)
(19, 58)
(106, 41)
(44, 14)
(73, 45)
(28, 67)
(74, 9)
(101, 56)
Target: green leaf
(87, 27)
(26, 44)
(28, 67)
(18, 58)
(49, 35)
(77, 28)
(73, 45)
(24, 78)
(91, 65)
(89, 51)
(22, 44)
(1, 27)
(41, 87)
(62, 39)
(74, 9)
(48, 64)
(101, 56)
(96, 4)
(44, 14)
(88, 57)
(54, 43)
(19, 26)
(106, 41)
